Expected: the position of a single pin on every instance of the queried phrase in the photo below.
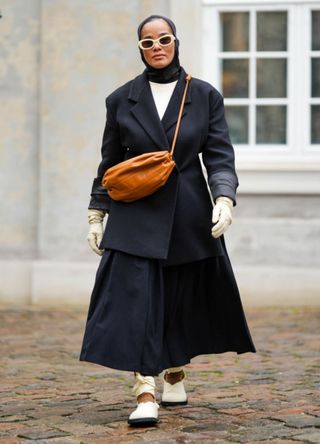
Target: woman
(164, 291)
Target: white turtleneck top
(162, 93)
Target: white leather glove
(95, 218)
(221, 216)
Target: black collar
(141, 80)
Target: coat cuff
(99, 203)
(100, 199)
(223, 184)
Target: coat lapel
(145, 111)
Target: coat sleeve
(111, 153)
(218, 152)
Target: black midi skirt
(144, 316)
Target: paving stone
(292, 411)
(79, 428)
(263, 429)
(104, 417)
(63, 440)
(300, 420)
(237, 411)
(6, 427)
(312, 436)
(40, 434)
(225, 405)
(194, 413)
(12, 418)
(48, 377)
(109, 440)
(275, 441)
(11, 440)
(205, 426)
(49, 412)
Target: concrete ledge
(62, 283)
(53, 283)
(278, 286)
(15, 282)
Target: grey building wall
(19, 71)
(61, 58)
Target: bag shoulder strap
(188, 78)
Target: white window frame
(298, 154)
(312, 100)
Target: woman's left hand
(221, 216)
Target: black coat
(174, 224)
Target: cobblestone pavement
(49, 396)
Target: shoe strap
(183, 375)
(144, 384)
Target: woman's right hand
(95, 218)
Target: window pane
(235, 31)
(272, 31)
(315, 30)
(237, 118)
(271, 77)
(271, 124)
(235, 77)
(315, 123)
(315, 77)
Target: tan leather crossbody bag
(142, 175)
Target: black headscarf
(171, 72)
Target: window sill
(279, 179)
(277, 164)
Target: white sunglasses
(164, 40)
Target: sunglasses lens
(165, 40)
(146, 44)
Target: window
(315, 78)
(264, 57)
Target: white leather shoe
(173, 394)
(146, 413)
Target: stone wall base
(59, 284)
